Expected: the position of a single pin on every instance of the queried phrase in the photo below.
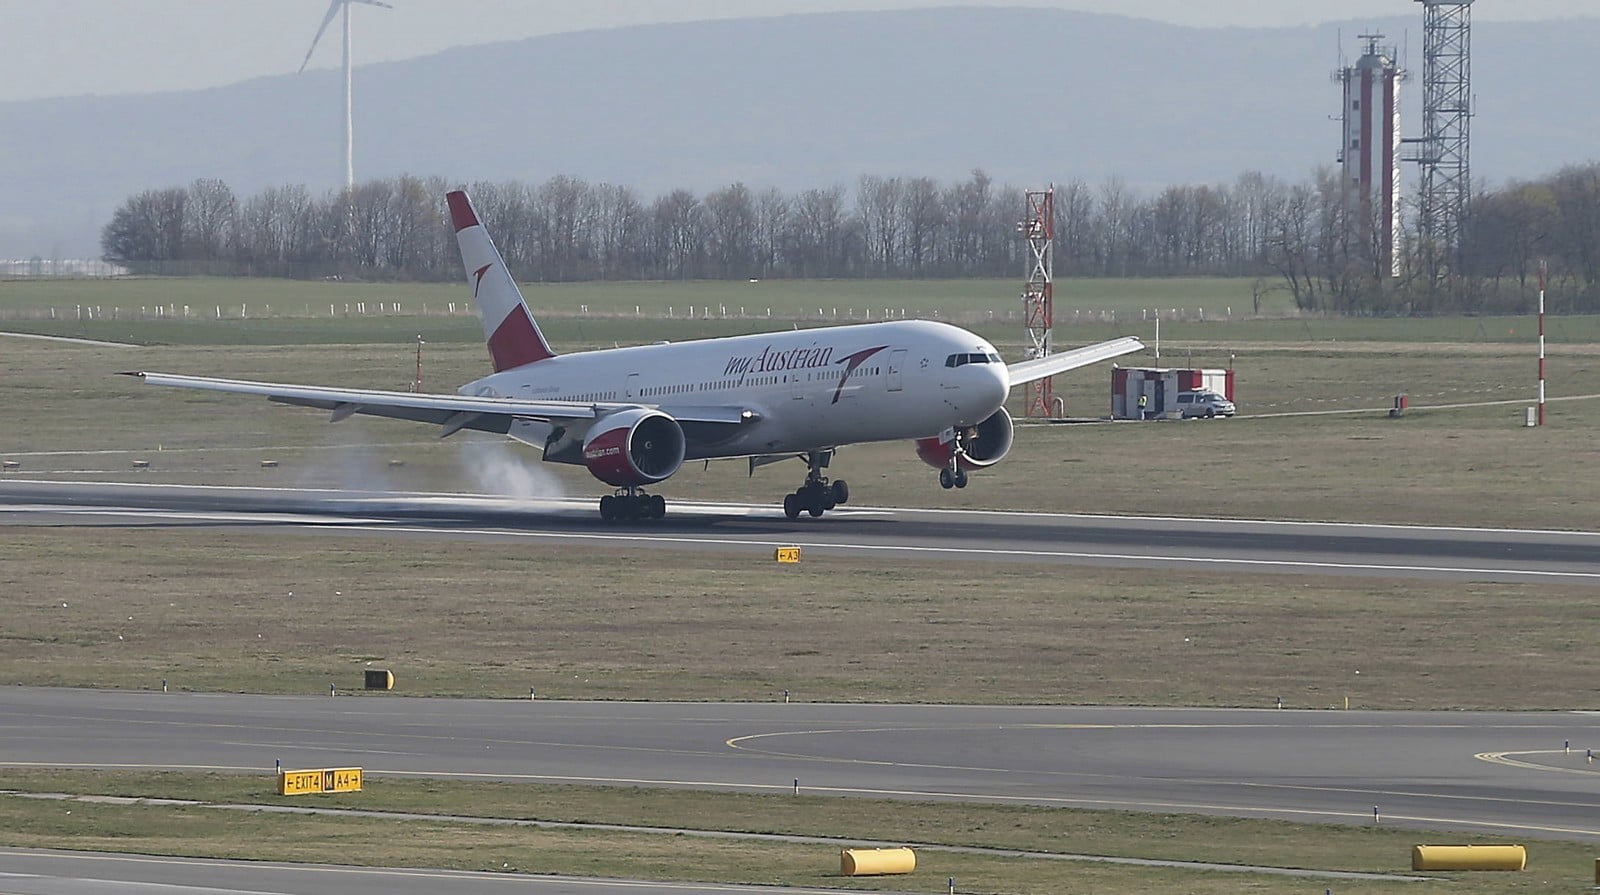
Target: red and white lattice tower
(1038, 294)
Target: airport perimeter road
(923, 535)
(47, 872)
(1487, 773)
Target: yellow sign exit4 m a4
(296, 783)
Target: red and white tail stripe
(514, 338)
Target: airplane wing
(451, 412)
(1062, 361)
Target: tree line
(1306, 238)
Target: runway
(1233, 546)
(1482, 773)
(49, 872)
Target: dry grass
(213, 610)
(444, 843)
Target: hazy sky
(72, 47)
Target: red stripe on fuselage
(516, 342)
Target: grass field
(201, 311)
(211, 610)
(220, 610)
(448, 842)
(785, 298)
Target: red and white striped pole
(1542, 267)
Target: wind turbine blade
(373, 3)
(333, 10)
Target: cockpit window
(961, 360)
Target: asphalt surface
(47, 872)
(1489, 773)
(922, 535)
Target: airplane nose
(1002, 384)
(994, 384)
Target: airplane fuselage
(803, 390)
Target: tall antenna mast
(1445, 147)
(1038, 294)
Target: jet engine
(633, 447)
(982, 445)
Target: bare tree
(211, 220)
(879, 201)
(731, 226)
(679, 225)
(925, 219)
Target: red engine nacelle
(634, 447)
(985, 444)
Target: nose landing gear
(630, 504)
(817, 495)
(953, 476)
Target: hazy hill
(1031, 96)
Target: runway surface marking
(737, 743)
(1505, 758)
(356, 524)
(585, 504)
(519, 880)
(70, 340)
(1174, 562)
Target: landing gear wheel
(817, 500)
(961, 478)
(817, 495)
(946, 480)
(631, 506)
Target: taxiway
(925, 535)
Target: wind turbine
(349, 118)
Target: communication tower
(1038, 294)
(1444, 148)
(1370, 154)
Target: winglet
(508, 327)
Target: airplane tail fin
(508, 327)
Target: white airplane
(635, 415)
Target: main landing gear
(817, 495)
(630, 504)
